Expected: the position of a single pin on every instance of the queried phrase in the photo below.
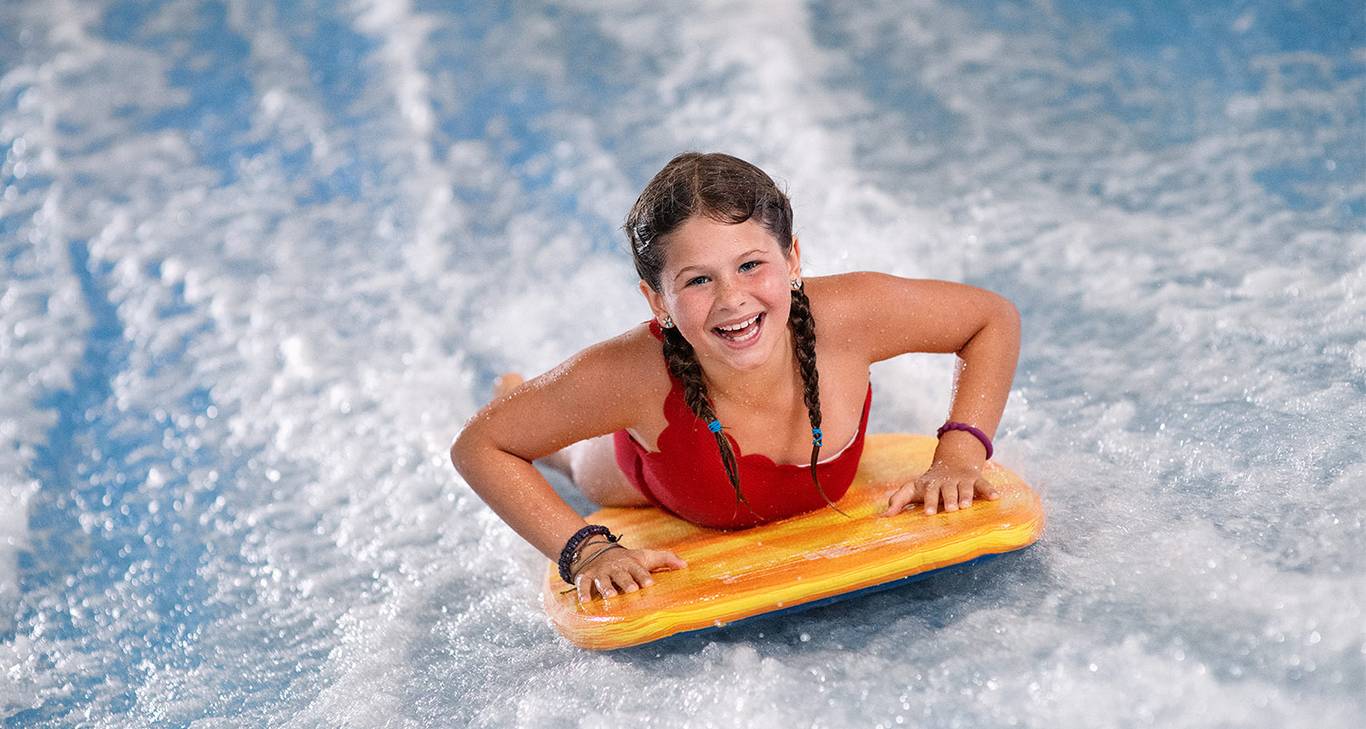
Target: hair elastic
(965, 427)
(714, 426)
(816, 437)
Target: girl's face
(733, 276)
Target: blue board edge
(833, 598)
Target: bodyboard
(799, 562)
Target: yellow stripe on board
(733, 575)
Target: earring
(796, 284)
(668, 322)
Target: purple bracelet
(964, 426)
(571, 547)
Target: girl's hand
(954, 484)
(623, 569)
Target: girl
(715, 409)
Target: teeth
(741, 325)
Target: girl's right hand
(622, 569)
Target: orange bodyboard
(815, 557)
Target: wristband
(571, 547)
(965, 427)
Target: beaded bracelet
(571, 547)
(965, 427)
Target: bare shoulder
(883, 315)
(832, 299)
(835, 305)
(600, 389)
(622, 371)
(642, 361)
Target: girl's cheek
(690, 307)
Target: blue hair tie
(714, 426)
(816, 436)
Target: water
(261, 261)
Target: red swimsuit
(686, 476)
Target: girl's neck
(759, 388)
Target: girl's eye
(747, 263)
(695, 280)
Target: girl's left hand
(955, 485)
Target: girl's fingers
(896, 503)
(624, 575)
(586, 585)
(949, 491)
(596, 583)
(640, 575)
(657, 559)
(622, 580)
(604, 585)
(953, 493)
(903, 496)
(964, 494)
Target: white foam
(287, 367)
(43, 326)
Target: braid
(682, 362)
(728, 190)
(803, 326)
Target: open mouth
(742, 333)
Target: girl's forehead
(701, 240)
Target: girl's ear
(655, 301)
(794, 259)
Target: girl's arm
(900, 316)
(588, 395)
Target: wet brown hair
(727, 190)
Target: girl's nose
(731, 295)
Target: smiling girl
(716, 409)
